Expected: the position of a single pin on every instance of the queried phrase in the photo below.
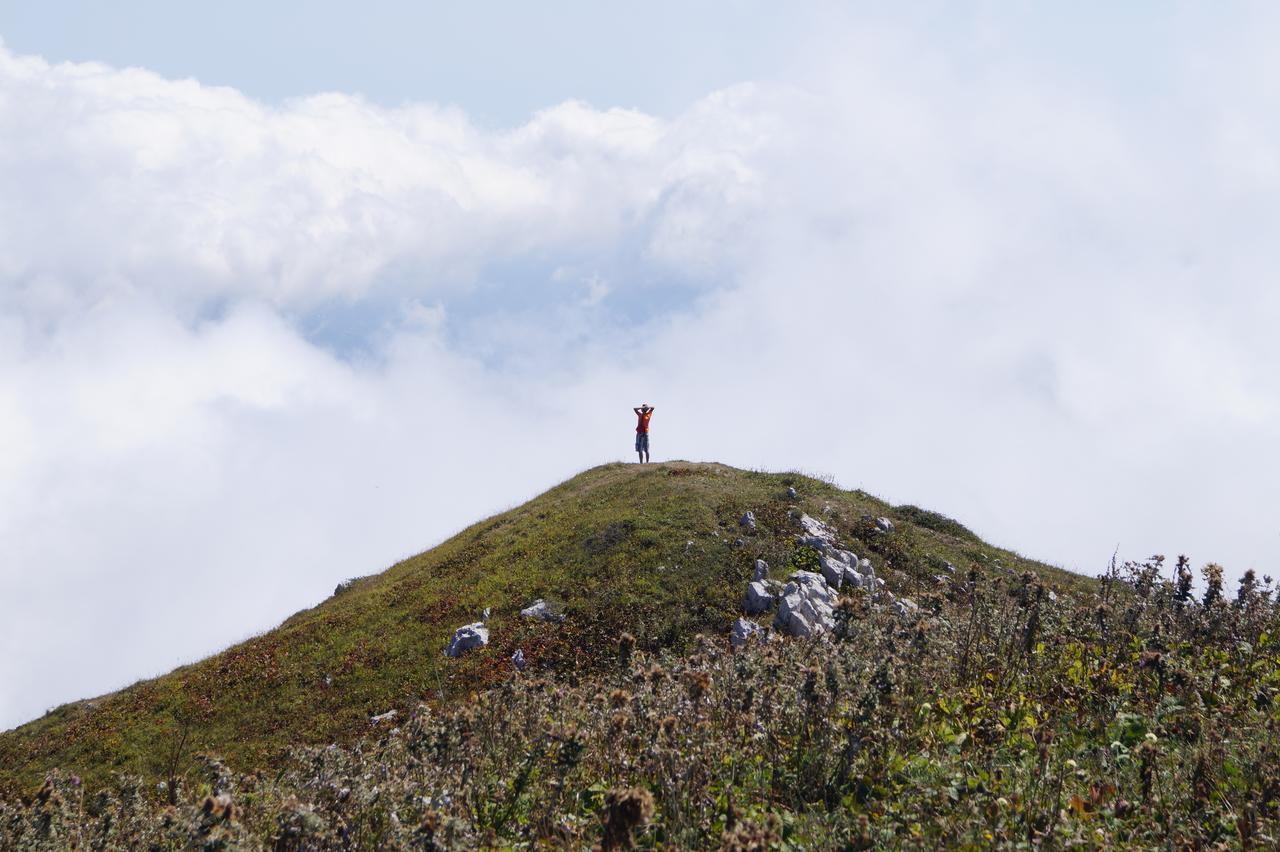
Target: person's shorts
(642, 442)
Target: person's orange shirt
(642, 426)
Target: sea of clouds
(248, 350)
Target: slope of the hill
(654, 550)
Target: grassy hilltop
(1019, 705)
(609, 546)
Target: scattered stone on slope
(762, 570)
(744, 630)
(791, 492)
(344, 586)
(948, 567)
(517, 659)
(905, 606)
(806, 606)
(467, 638)
(541, 609)
(884, 524)
(748, 520)
(761, 597)
(388, 716)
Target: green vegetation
(1019, 706)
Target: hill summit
(653, 550)
(684, 655)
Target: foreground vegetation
(995, 717)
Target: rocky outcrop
(814, 528)
(748, 521)
(806, 606)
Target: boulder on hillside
(762, 570)
(744, 631)
(806, 606)
(792, 493)
(884, 524)
(863, 576)
(542, 610)
(833, 570)
(761, 597)
(817, 529)
(749, 521)
(467, 638)
(517, 659)
(818, 543)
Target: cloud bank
(247, 351)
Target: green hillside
(985, 702)
(644, 549)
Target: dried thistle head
(748, 836)
(698, 683)
(625, 810)
(626, 647)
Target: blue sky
(288, 293)
(502, 61)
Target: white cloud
(248, 351)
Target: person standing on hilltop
(643, 413)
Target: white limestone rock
(905, 607)
(762, 570)
(467, 638)
(816, 528)
(760, 597)
(749, 521)
(517, 659)
(542, 610)
(833, 571)
(884, 524)
(744, 630)
(818, 543)
(806, 606)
